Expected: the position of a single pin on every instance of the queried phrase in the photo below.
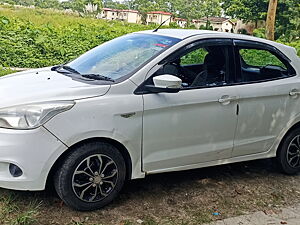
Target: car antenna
(162, 24)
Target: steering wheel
(200, 79)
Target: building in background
(217, 24)
(248, 27)
(180, 22)
(130, 16)
(157, 17)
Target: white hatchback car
(145, 103)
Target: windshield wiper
(65, 67)
(95, 76)
(92, 76)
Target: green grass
(26, 218)
(16, 209)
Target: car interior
(211, 66)
(210, 70)
(269, 66)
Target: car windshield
(121, 56)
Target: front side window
(203, 65)
(194, 57)
(260, 64)
(122, 56)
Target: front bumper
(34, 151)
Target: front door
(196, 125)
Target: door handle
(294, 92)
(226, 98)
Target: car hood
(42, 85)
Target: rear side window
(260, 58)
(262, 65)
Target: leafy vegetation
(287, 14)
(194, 57)
(50, 37)
(287, 17)
(5, 71)
(254, 57)
(247, 10)
(294, 44)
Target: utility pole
(270, 23)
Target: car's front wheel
(288, 156)
(91, 176)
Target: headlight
(33, 115)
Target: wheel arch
(121, 148)
(293, 127)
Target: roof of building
(160, 12)
(213, 20)
(108, 9)
(120, 10)
(179, 19)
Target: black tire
(290, 147)
(67, 182)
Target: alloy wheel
(293, 152)
(95, 178)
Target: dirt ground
(185, 198)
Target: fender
(292, 122)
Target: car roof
(178, 33)
(186, 33)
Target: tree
(270, 23)
(54, 4)
(79, 5)
(210, 8)
(287, 15)
(145, 6)
(20, 2)
(287, 20)
(192, 9)
(109, 4)
(246, 10)
(189, 9)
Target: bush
(174, 25)
(243, 31)
(49, 37)
(5, 71)
(294, 44)
(260, 32)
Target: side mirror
(165, 83)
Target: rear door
(267, 87)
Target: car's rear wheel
(288, 156)
(91, 176)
